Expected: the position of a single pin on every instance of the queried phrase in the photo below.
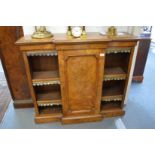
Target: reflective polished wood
(93, 74)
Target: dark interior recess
(110, 105)
(48, 92)
(117, 60)
(56, 109)
(114, 71)
(112, 88)
(43, 63)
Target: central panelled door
(81, 81)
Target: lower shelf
(54, 114)
(110, 105)
(49, 114)
(111, 109)
(55, 109)
(48, 95)
(112, 90)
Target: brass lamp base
(112, 31)
(41, 33)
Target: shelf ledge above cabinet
(42, 53)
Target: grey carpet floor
(5, 99)
(1, 69)
(140, 109)
(24, 119)
(5, 96)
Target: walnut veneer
(13, 66)
(77, 80)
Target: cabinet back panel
(110, 105)
(111, 88)
(49, 88)
(43, 63)
(117, 60)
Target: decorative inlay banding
(112, 98)
(114, 78)
(48, 104)
(45, 83)
(118, 50)
(42, 53)
(108, 100)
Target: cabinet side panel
(13, 65)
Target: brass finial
(84, 31)
(69, 33)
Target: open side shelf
(117, 64)
(48, 98)
(113, 91)
(48, 95)
(112, 88)
(54, 110)
(110, 105)
(114, 73)
(111, 109)
(44, 70)
(48, 103)
(45, 77)
(49, 114)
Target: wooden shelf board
(48, 97)
(114, 72)
(45, 76)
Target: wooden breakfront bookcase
(75, 80)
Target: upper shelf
(45, 78)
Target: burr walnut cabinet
(75, 80)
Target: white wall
(153, 34)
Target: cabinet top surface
(63, 38)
